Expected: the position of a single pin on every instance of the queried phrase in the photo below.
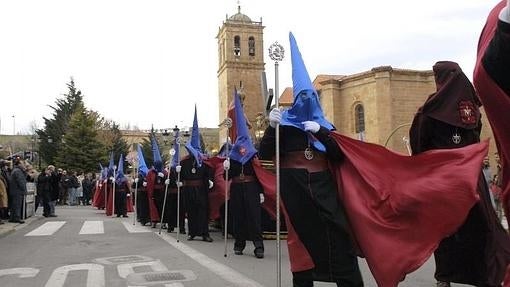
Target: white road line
(92, 227)
(46, 229)
(134, 228)
(225, 272)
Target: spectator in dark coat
(17, 190)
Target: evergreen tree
(80, 149)
(54, 128)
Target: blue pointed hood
(104, 172)
(120, 177)
(193, 146)
(176, 160)
(110, 166)
(142, 166)
(156, 155)
(306, 106)
(243, 149)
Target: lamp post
(276, 53)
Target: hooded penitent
(110, 165)
(243, 149)
(455, 101)
(120, 177)
(176, 159)
(158, 162)
(193, 146)
(306, 105)
(142, 166)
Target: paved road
(83, 247)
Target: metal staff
(136, 191)
(105, 192)
(167, 183)
(178, 170)
(228, 123)
(276, 53)
(113, 189)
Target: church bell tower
(241, 65)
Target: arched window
(359, 118)
(237, 46)
(251, 46)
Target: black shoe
(118, 215)
(442, 284)
(170, 230)
(154, 225)
(45, 215)
(259, 253)
(52, 215)
(20, 221)
(182, 231)
(190, 237)
(207, 238)
(1, 222)
(125, 216)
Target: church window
(237, 46)
(251, 46)
(359, 118)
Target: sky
(148, 62)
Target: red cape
(496, 104)
(399, 207)
(153, 211)
(98, 199)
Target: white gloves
(179, 184)
(105, 181)
(178, 168)
(211, 184)
(167, 181)
(275, 116)
(136, 180)
(100, 185)
(160, 174)
(226, 164)
(311, 126)
(144, 184)
(262, 198)
(129, 194)
(111, 178)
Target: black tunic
(142, 203)
(314, 209)
(245, 206)
(196, 198)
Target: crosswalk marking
(47, 228)
(134, 228)
(88, 227)
(92, 227)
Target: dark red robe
(98, 199)
(494, 96)
(395, 203)
(151, 179)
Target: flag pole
(276, 53)
(228, 123)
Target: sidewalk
(9, 227)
